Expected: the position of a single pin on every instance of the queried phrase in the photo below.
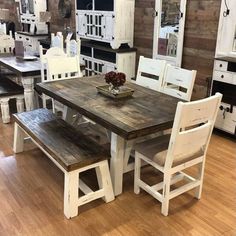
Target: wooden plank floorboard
(31, 199)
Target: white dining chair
(62, 68)
(73, 47)
(57, 40)
(178, 82)
(185, 147)
(150, 73)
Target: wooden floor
(31, 199)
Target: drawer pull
(221, 65)
(222, 76)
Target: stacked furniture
(33, 18)
(224, 74)
(111, 23)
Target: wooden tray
(124, 92)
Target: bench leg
(5, 110)
(19, 134)
(20, 105)
(104, 181)
(71, 194)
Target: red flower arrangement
(115, 79)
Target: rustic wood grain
(72, 149)
(146, 112)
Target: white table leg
(117, 158)
(4, 102)
(28, 84)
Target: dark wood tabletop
(20, 66)
(146, 112)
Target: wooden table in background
(27, 72)
(147, 112)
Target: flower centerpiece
(115, 80)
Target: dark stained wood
(146, 112)
(72, 149)
(21, 67)
(8, 87)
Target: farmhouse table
(27, 72)
(146, 112)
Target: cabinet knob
(222, 76)
(221, 65)
(221, 107)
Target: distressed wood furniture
(224, 81)
(34, 26)
(150, 73)
(186, 147)
(224, 72)
(10, 90)
(145, 113)
(57, 40)
(7, 43)
(168, 38)
(110, 21)
(27, 72)
(73, 47)
(98, 58)
(178, 82)
(71, 151)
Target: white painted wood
(7, 44)
(124, 62)
(226, 30)
(114, 27)
(20, 104)
(116, 163)
(73, 47)
(72, 182)
(171, 59)
(57, 40)
(178, 82)
(3, 28)
(4, 103)
(189, 140)
(150, 73)
(28, 84)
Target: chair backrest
(63, 68)
(51, 52)
(7, 43)
(73, 47)
(3, 28)
(150, 73)
(57, 40)
(192, 129)
(178, 82)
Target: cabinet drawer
(225, 77)
(225, 120)
(221, 65)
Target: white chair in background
(178, 82)
(62, 68)
(57, 40)
(150, 73)
(7, 43)
(185, 147)
(73, 47)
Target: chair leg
(104, 181)
(71, 193)
(166, 195)
(20, 104)
(18, 144)
(5, 110)
(137, 170)
(198, 191)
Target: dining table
(144, 113)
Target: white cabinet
(100, 59)
(110, 21)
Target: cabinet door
(81, 23)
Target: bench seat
(73, 151)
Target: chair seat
(156, 150)
(9, 88)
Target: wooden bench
(10, 90)
(71, 150)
